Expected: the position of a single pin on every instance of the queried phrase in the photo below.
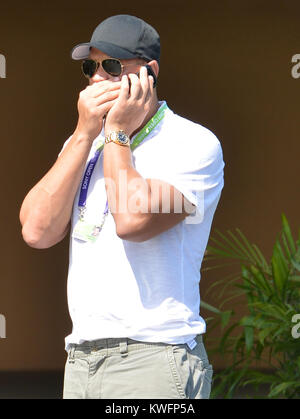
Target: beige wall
(228, 68)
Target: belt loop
(123, 348)
(71, 354)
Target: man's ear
(155, 67)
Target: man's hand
(93, 103)
(132, 105)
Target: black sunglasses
(111, 66)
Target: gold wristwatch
(118, 137)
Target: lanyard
(148, 128)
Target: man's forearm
(125, 187)
(46, 210)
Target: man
(137, 187)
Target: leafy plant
(271, 296)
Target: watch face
(122, 137)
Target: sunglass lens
(112, 67)
(89, 68)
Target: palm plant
(266, 336)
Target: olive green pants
(128, 369)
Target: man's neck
(153, 109)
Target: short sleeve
(65, 144)
(195, 167)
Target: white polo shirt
(148, 291)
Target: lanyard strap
(87, 177)
(148, 128)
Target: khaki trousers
(127, 369)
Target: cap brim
(82, 51)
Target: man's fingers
(107, 96)
(151, 88)
(124, 91)
(136, 88)
(98, 89)
(151, 83)
(106, 107)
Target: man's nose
(101, 75)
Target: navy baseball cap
(123, 37)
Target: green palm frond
(270, 293)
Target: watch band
(118, 137)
